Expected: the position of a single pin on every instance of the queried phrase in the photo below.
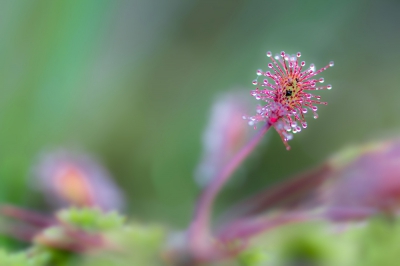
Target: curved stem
(199, 230)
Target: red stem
(199, 231)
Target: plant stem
(199, 231)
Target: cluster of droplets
(283, 90)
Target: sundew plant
(287, 101)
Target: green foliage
(23, 259)
(97, 238)
(91, 219)
(255, 256)
(372, 242)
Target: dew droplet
(304, 110)
(303, 63)
(315, 116)
(304, 124)
(314, 108)
(321, 80)
(244, 117)
(283, 53)
(294, 124)
(329, 87)
(258, 97)
(259, 72)
(331, 63)
(270, 65)
(255, 82)
(265, 81)
(269, 54)
(298, 54)
(312, 67)
(298, 129)
(251, 123)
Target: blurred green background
(132, 83)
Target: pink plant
(287, 102)
(286, 97)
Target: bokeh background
(131, 83)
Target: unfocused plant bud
(67, 178)
(224, 136)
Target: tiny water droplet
(265, 81)
(270, 65)
(304, 124)
(315, 116)
(298, 54)
(283, 53)
(304, 110)
(314, 108)
(251, 123)
(329, 87)
(303, 63)
(321, 80)
(255, 82)
(269, 53)
(331, 63)
(259, 72)
(244, 117)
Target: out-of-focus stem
(287, 195)
(200, 239)
(248, 227)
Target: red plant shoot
(286, 97)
